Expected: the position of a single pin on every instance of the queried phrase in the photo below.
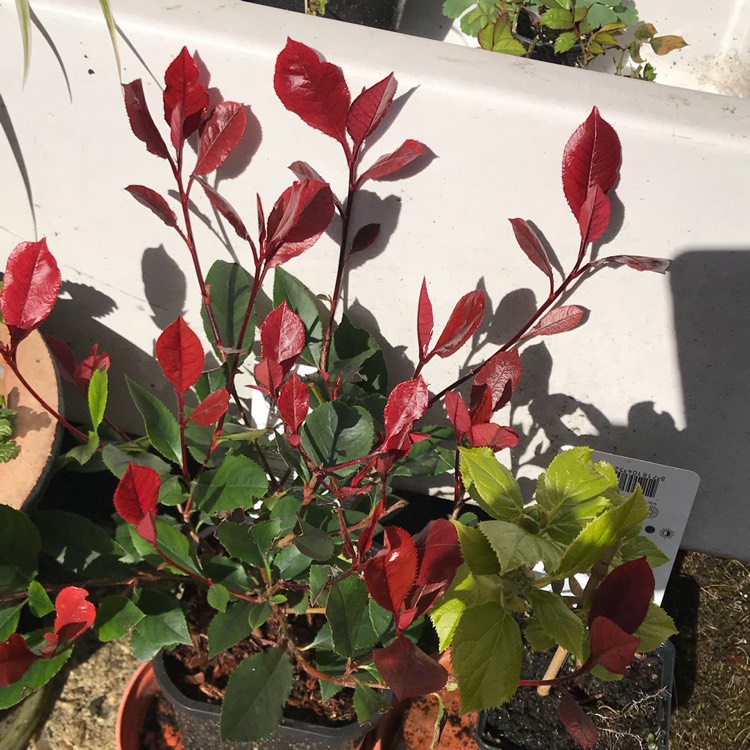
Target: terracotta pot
(136, 700)
(37, 434)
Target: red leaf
(293, 403)
(141, 122)
(185, 97)
(530, 243)
(390, 164)
(464, 320)
(578, 723)
(15, 658)
(425, 321)
(268, 375)
(390, 574)
(369, 109)
(611, 646)
(137, 493)
(493, 436)
(315, 91)
(408, 671)
(458, 413)
(30, 288)
(211, 409)
(439, 558)
(592, 156)
(300, 216)
(220, 136)
(303, 171)
(501, 374)
(282, 336)
(559, 320)
(151, 199)
(638, 262)
(406, 403)
(75, 615)
(94, 361)
(365, 236)
(624, 595)
(223, 206)
(594, 216)
(180, 354)
(66, 360)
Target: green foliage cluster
(8, 448)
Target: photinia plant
(271, 526)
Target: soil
(160, 730)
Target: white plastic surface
(654, 374)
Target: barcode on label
(627, 480)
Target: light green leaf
(455, 8)
(163, 625)
(117, 461)
(37, 675)
(115, 616)
(161, 426)
(237, 483)
(19, 549)
(476, 550)
(84, 453)
(97, 396)
(23, 10)
(486, 653)
(641, 546)
(218, 597)
(655, 629)
(565, 42)
(39, 601)
(555, 18)
(558, 620)
(490, 484)
(111, 27)
(516, 547)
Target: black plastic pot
(666, 653)
(201, 728)
(378, 14)
(544, 49)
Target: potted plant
(567, 32)
(378, 14)
(244, 555)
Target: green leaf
(231, 287)
(476, 550)
(555, 18)
(112, 29)
(237, 483)
(23, 10)
(565, 42)
(311, 310)
(9, 619)
(537, 636)
(174, 544)
(161, 426)
(255, 696)
(115, 616)
(37, 675)
(516, 547)
(346, 610)
(163, 625)
(248, 543)
(19, 549)
(39, 602)
(455, 8)
(226, 571)
(314, 542)
(655, 629)
(285, 511)
(558, 620)
(84, 453)
(599, 15)
(334, 433)
(97, 396)
(218, 597)
(368, 702)
(641, 546)
(230, 627)
(354, 352)
(486, 653)
(490, 484)
(117, 461)
(319, 575)
(290, 562)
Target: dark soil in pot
(378, 14)
(630, 714)
(544, 49)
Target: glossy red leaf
(300, 216)
(501, 375)
(151, 199)
(314, 90)
(63, 354)
(185, 97)
(282, 336)
(425, 321)
(224, 207)
(458, 413)
(577, 722)
(624, 595)
(464, 320)
(492, 436)
(74, 613)
(141, 122)
(407, 670)
(180, 354)
(369, 109)
(594, 216)
(559, 320)
(439, 556)
(406, 403)
(638, 262)
(390, 574)
(530, 243)
(30, 287)
(592, 156)
(303, 171)
(390, 164)
(365, 236)
(293, 403)
(137, 493)
(611, 646)
(88, 365)
(15, 659)
(220, 136)
(211, 409)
